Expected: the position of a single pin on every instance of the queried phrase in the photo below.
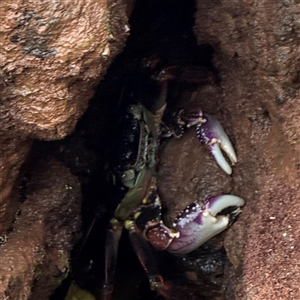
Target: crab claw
(199, 223)
(212, 134)
(160, 236)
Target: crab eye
(127, 176)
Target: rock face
(52, 56)
(257, 54)
(35, 258)
(13, 153)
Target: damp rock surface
(35, 258)
(187, 171)
(13, 153)
(256, 47)
(53, 54)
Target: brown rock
(256, 50)
(52, 56)
(35, 258)
(13, 152)
(187, 172)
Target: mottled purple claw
(200, 222)
(211, 133)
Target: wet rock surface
(52, 56)
(35, 257)
(187, 171)
(12, 155)
(256, 49)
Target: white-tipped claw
(226, 145)
(212, 134)
(199, 223)
(220, 159)
(216, 204)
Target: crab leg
(111, 252)
(146, 258)
(199, 223)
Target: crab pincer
(196, 224)
(211, 133)
(200, 222)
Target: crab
(134, 169)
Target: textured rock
(187, 171)
(13, 152)
(35, 258)
(52, 56)
(256, 52)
